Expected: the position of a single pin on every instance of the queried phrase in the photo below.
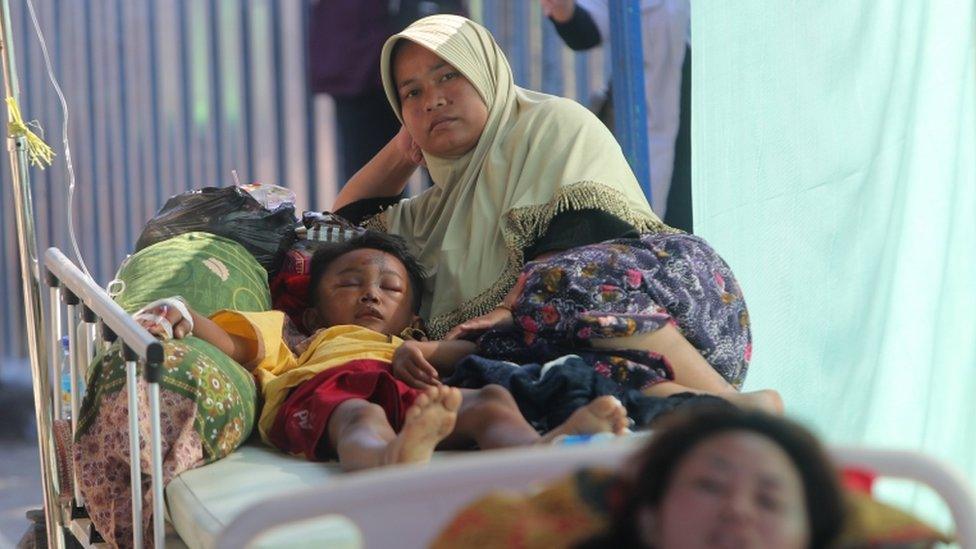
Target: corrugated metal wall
(168, 95)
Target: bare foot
(427, 422)
(604, 415)
(766, 400)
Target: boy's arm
(241, 349)
(420, 364)
(165, 319)
(443, 355)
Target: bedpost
(40, 371)
(154, 365)
(627, 80)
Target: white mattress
(201, 502)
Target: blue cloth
(547, 394)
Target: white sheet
(201, 502)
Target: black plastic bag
(229, 212)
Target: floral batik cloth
(208, 402)
(207, 409)
(622, 288)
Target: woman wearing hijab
(536, 229)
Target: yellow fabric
(278, 370)
(554, 517)
(537, 156)
(871, 523)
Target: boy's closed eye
(392, 284)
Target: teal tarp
(834, 165)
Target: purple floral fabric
(625, 287)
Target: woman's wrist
(397, 161)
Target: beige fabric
(538, 155)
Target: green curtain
(834, 167)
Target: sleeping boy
(335, 392)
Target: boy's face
(368, 288)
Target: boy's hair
(369, 240)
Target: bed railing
(384, 505)
(87, 303)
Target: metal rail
(27, 241)
(137, 346)
(629, 102)
(375, 500)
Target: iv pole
(24, 210)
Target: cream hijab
(538, 155)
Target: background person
(344, 42)
(585, 24)
(718, 477)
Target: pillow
(210, 272)
(871, 523)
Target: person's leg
(365, 124)
(692, 373)
(428, 421)
(360, 434)
(679, 212)
(603, 414)
(490, 417)
(767, 400)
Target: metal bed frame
(86, 304)
(385, 506)
(70, 287)
(377, 501)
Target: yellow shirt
(276, 367)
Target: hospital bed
(259, 497)
(241, 500)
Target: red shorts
(301, 425)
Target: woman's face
(442, 111)
(735, 489)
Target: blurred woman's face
(442, 111)
(736, 489)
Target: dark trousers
(678, 213)
(365, 124)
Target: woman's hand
(167, 318)
(498, 318)
(385, 174)
(410, 366)
(560, 10)
(408, 147)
